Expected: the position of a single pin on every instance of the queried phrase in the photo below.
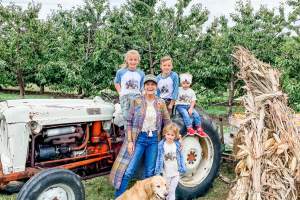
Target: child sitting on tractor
(185, 106)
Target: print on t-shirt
(132, 84)
(164, 89)
(185, 98)
(170, 156)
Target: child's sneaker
(201, 133)
(191, 131)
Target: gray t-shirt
(131, 82)
(170, 160)
(185, 96)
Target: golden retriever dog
(153, 188)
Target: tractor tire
(53, 184)
(202, 158)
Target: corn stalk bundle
(269, 146)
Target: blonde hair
(130, 52)
(172, 127)
(166, 58)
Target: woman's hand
(130, 148)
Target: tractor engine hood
(55, 111)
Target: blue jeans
(146, 146)
(183, 111)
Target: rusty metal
(1, 169)
(221, 120)
(64, 141)
(96, 129)
(83, 145)
(32, 163)
(98, 174)
(60, 139)
(72, 159)
(114, 130)
(83, 163)
(29, 172)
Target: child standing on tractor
(167, 82)
(170, 161)
(129, 81)
(185, 106)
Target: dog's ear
(148, 187)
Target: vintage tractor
(50, 145)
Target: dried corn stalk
(269, 145)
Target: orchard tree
(260, 31)
(289, 60)
(76, 31)
(294, 16)
(19, 47)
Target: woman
(144, 123)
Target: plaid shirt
(135, 122)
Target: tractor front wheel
(58, 184)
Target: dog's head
(157, 186)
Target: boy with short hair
(167, 82)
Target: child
(167, 82)
(129, 81)
(170, 160)
(185, 106)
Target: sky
(216, 7)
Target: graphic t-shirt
(170, 160)
(131, 81)
(185, 96)
(167, 87)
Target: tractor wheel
(59, 184)
(202, 158)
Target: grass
(10, 96)
(221, 110)
(100, 189)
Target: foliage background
(79, 50)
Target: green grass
(221, 110)
(10, 96)
(100, 189)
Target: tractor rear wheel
(202, 158)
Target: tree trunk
(80, 91)
(42, 89)
(231, 88)
(151, 63)
(21, 83)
